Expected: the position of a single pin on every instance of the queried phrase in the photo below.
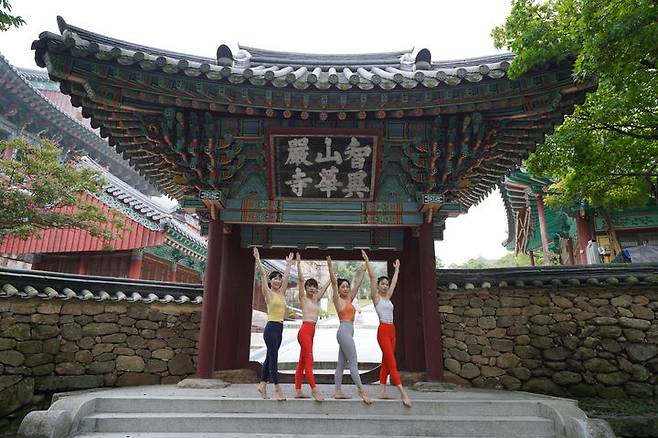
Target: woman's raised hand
(256, 254)
(289, 258)
(365, 256)
(396, 264)
(329, 263)
(298, 257)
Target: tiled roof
(51, 285)
(15, 85)
(139, 204)
(550, 277)
(260, 67)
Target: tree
(38, 192)
(606, 154)
(6, 19)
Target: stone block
(71, 309)
(28, 347)
(67, 383)
(135, 379)
(642, 312)
(33, 360)
(563, 302)
(86, 343)
(181, 365)
(101, 367)
(136, 342)
(116, 308)
(566, 378)
(92, 308)
(100, 329)
(487, 322)
(511, 383)
(163, 353)
(527, 352)
(641, 352)
(38, 318)
(69, 369)
(469, 371)
(541, 320)
(609, 331)
(489, 371)
(16, 396)
(8, 344)
(44, 331)
(542, 342)
(71, 332)
(556, 354)
(634, 323)
(158, 366)
(639, 390)
(543, 385)
(622, 301)
(599, 365)
(115, 338)
(513, 301)
(106, 317)
(124, 351)
(43, 370)
(12, 358)
(51, 346)
(23, 307)
(508, 360)
(20, 332)
(84, 356)
(130, 363)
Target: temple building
(158, 244)
(325, 154)
(567, 232)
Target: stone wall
(593, 341)
(56, 345)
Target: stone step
(236, 435)
(354, 407)
(275, 423)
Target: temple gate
(327, 154)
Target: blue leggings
(272, 335)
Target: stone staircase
(196, 414)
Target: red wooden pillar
(83, 264)
(410, 349)
(235, 306)
(584, 236)
(172, 272)
(135, 267)
(209, 311)
(543, 229)
(430, 303)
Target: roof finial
(423, 60)
(224, 56)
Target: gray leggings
(346, 353)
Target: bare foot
(364, 396)
(300, 394)
(262, 389)
(316, 395)
(279, 393)
(405, 398)
(340, 395)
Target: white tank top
(384, 309)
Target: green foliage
(6, 19)
(606, 153)
(351, 271)
(38, 192)
(507, 261)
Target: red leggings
(386, 339)
(305, 365)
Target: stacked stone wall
(596, 341)
(49, 346)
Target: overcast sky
(450, 30)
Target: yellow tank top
(276, 307)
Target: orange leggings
(305, 365)
(386, 339)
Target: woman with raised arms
(273, 291)
(342, 297)
(309, 300)
(381, 290)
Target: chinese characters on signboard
(324, 166)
